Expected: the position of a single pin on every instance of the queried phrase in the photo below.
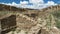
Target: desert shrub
(56, 14)
(57, 23)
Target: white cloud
(51, 3)
(37, 4)
(23, 2)
(36, 1)
(13, 4)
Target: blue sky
(36, 4)
(56, 1)
(18, 1)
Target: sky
(34, 4)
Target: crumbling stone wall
(8, 22)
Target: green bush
(56, 14)
(58, 23)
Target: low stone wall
(8, 22)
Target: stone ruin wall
(8, 22)
(38, 12)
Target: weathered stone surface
(35, 21)
(7, 22)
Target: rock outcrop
(33, 21)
